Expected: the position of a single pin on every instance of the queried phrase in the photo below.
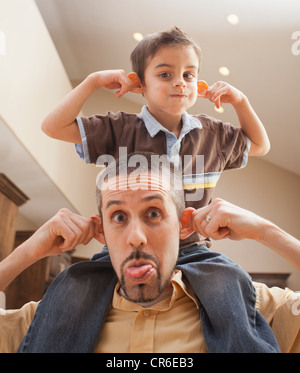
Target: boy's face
(171, 81)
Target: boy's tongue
(139, 271)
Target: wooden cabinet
(271, 279)
(11, 197)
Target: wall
(33, 80)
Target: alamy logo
(296, 45)
(188, 168)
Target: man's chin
(141, 293)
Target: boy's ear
(137, 85)
(99, 232)
(186, 223)
(202, 88)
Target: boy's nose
(136, 236)
(179, 83)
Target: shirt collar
(179, 290)
(153, 126)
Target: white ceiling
(92, 35)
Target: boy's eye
(164, 75)
(119, 218)
(189, 75)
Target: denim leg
(103, 256)
(230, 321)
(73, 310)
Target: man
(141, 229)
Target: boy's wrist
(95, 79)
(241, 102)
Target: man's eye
(153, 214)
(119, 218)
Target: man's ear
(137, 85)
(99, 232)
(186, 223)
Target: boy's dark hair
(149, 46)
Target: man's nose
(136, 236)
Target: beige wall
(33, 80)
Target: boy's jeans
(230, 322)
(71, 315)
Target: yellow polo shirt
(171, 325)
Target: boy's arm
(222, 92)
(61, 123)
(253, 128)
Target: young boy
(166, 66)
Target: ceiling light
(233, 19)
(2, 43)
(138, 36)
(223, 70)
(219, 110)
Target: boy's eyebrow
(168, 65)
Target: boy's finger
(125, 85)
(218, 103)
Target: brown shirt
(204, 148)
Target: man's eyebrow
(154, 196)
(145, 199)
(112, 202)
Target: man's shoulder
(269, 299)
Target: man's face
(141, 230)
(171, 80)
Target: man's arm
(226, 220)
(62, 233)
(281, 242)
(61, 124)
(222, 92)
